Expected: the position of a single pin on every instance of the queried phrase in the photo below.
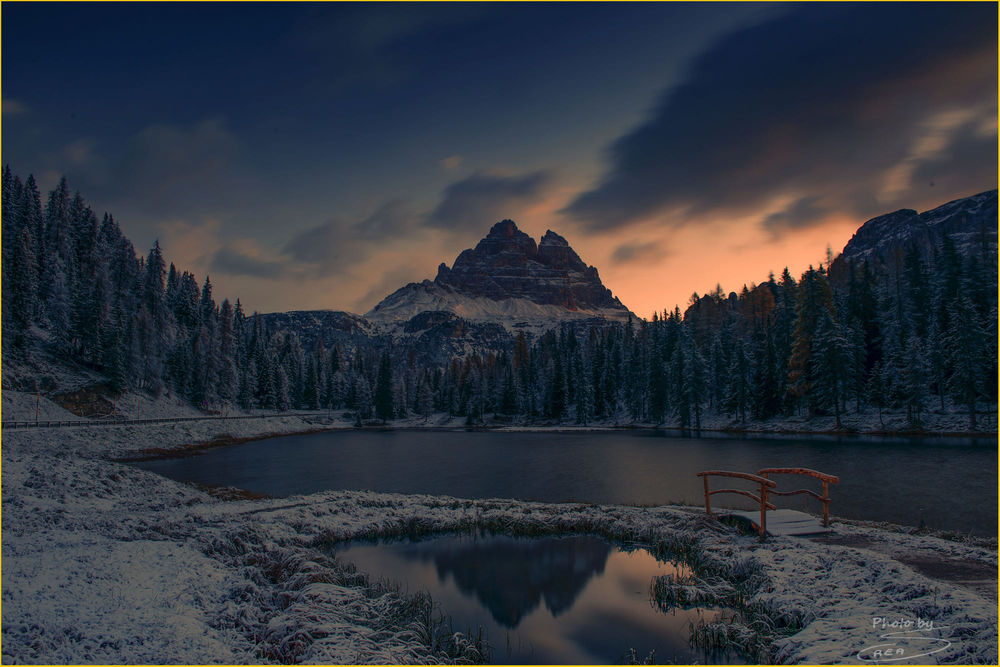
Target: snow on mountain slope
(415, 298)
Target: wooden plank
(741, 475)
(800, 471)
(782, 522)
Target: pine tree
(557, 402)
(282, 399)
(508, 397)
(311, 392)
(965, 346)
(876, 389)
(57, 304)
(696, 379)
(832, 362)
(740, 377)
(814, 299)
(362, 398)
(913, 379)
(384, 389)
(228, 376)
(23, 287)
(424, 399)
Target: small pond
(551, 600)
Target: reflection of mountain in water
(510, 577)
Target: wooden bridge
(769, 519)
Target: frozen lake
(946, 483)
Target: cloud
(822, 101)
(335, 245)
(638, 252)
(481, 199)
(234, 262)
(801, 213)
(362, 45)
(80, 151)
(171, 164)
(451, 161)
(950, 140)
(390, 281)
(13, 107)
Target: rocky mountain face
(508, 264)
(971, 223)
(508, 277)
(507, 283)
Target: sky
(311, 156)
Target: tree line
(914, 332)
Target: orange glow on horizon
(697, 259)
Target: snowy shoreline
(107, 563)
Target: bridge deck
(781, 522)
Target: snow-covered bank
(21, 406)
(106, 563)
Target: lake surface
(945, 483)
(554, 600)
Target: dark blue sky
(317, 155)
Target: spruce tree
(384, 389)
(965, 345)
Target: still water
(556, 600)
(945, 483)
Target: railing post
(708, 503)
(763, 510)
(826, 504)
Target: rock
(969, 222)
(507, 264)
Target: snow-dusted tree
(23, 288)
(912, 378)
(57, 303)
(383, 389)
(424, 399)
(738, 395)
(362, 398)
(283, 399)
(813, 302)
(310, 387)
(696, 378)
(228, 376)
(965, 343)
(832, 363)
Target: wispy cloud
(636, 252)
(13, 107)
(483, 198)
(826, 100)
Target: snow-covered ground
(106, 563)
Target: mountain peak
(967, 221)
(551, 238)
(507, 264)
(504, 229)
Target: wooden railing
(822, 476)
(765, 486)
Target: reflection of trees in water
(510, 577)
